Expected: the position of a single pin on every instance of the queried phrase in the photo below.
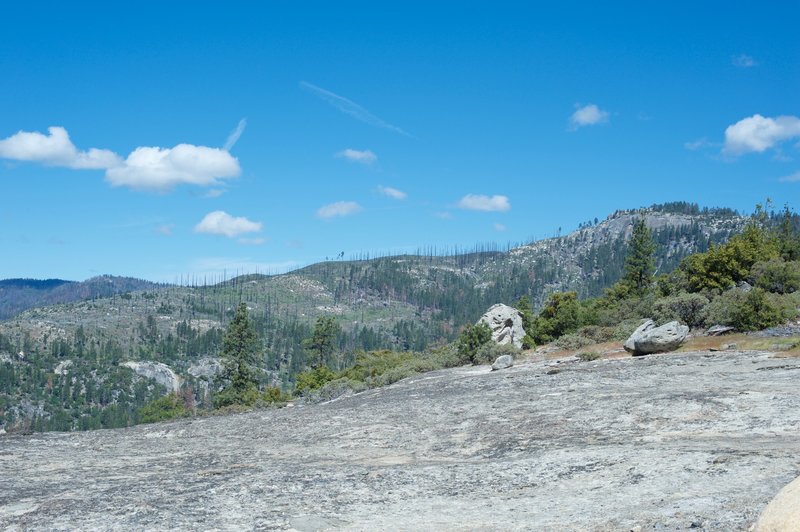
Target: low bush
(470, 340)
(167, 407)
(488, 353)
(596, 333)
(573, 341)
(685, 308)
(776, 276)
(588, 356)
(313, 379)
(746, 310)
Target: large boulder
(505, 323)
(503, 362)
(648, 338)
(161, 373)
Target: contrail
(351, 108)
(235, 134)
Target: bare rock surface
(505, 323)
(667, 442)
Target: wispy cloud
(443, 215)
(587, 115)
(165, 229)
(743, 61)
(235, 134)
(230, 266)
(222, 223)
(340, 208)
(699, 144)
(350, 107)
(357, 156)
(791, 178)
(478, 202)
(214, 193)
(759, 133)
(499, 227)
(393, 193)
(252, 241)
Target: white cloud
(499, 227)
(54, 149)
(791, 178)
(156, 168)
(350, 107)
(358, 156)
(477, 202)
(743, 61)
(340, 208)
(588, 115)
(151, 168)
(758, 133)
(222, 223)
(235, 134)
(443, 215)
(393, 193)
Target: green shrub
(747, 311)
(686, 308)
(625, 328)
(776, 276)
(246, 398)
(471, 339)
(167, 407)
(596, 334)
(313, 379)
(573, 341)
(560, 315)
(488, 353)
(588, 356)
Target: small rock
(718, 330)
(503, 362)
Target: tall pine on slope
(239, 353)
(640, 260)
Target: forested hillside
(60, 365)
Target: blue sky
(374, 128)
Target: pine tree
(239, 353)
(322, 344)
(640, 260)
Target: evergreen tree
(523, 305)
(640, 260)
(322, 344)
(239, 353)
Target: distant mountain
(61, 365)
(18, 295)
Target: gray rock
(205, 367)
(648, 338)
(503, 362)
(63, 367)
(718, 330)
(161, 373)
(505, 323)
